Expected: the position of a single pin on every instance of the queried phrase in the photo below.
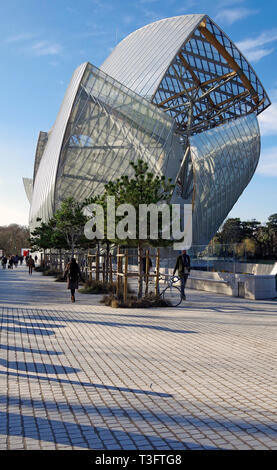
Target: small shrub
(97, 287)
(51, 272)
(41, 269)
(133, 302)
(61, 278)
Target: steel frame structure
(176, 93)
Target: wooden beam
(223, 103)
(203, 84)
(195, 78)
(230, 60)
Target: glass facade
(110, 126)
(224, 161)
(177, 94)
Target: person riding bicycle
(183, 268)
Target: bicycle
(171, 294)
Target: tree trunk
(140, 280)
(107, 262)
(60, 260)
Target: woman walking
(72, 273)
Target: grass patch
(97, 287)
(61, 278)
(51, 272)
(132, 301)
(41, 269)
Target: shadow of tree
(38, 367)
(30, 350)
(136, 414)
(103, 323)
(85, 384)
(89, 437)
(28, 331)
(13, 320)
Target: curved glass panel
(224, 161)
(142, 58)
(42, 141)
(44, 184)
(28, 186)
(110, 126)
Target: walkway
(79, 376)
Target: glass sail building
(177, 94)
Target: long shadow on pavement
(84, 384)
(92, 322)
(31, 350)
(84, 436)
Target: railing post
(103, 268)
(125, 288)
(97, 266)
(147, 272)
(117, 272)
(90, 266)
(111, 268)
(157, 272)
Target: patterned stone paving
(86, 376)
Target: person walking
(183, 268)
(144, 258)
(4, 262)
(30, 264)
(11, 261)
(73, 274)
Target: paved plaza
(87, 376)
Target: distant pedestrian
(11, 262)
(30, 264)
(73, 274)
(36, 259)
(4, 262)
(183, 268)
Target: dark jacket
(144, 263)
(31, 262)
(182, 265)
(72, 279)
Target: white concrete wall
(255, 286)
(246, 268)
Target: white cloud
(254, 49)
(268, 120)
(268, 162)
(226, 3)
(127, 19)
(21, 37)
(232, 15)
(43, 48)
(255, 55)
(39, 48)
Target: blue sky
(43, 41)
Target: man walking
(183, 268)
(31, 264)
